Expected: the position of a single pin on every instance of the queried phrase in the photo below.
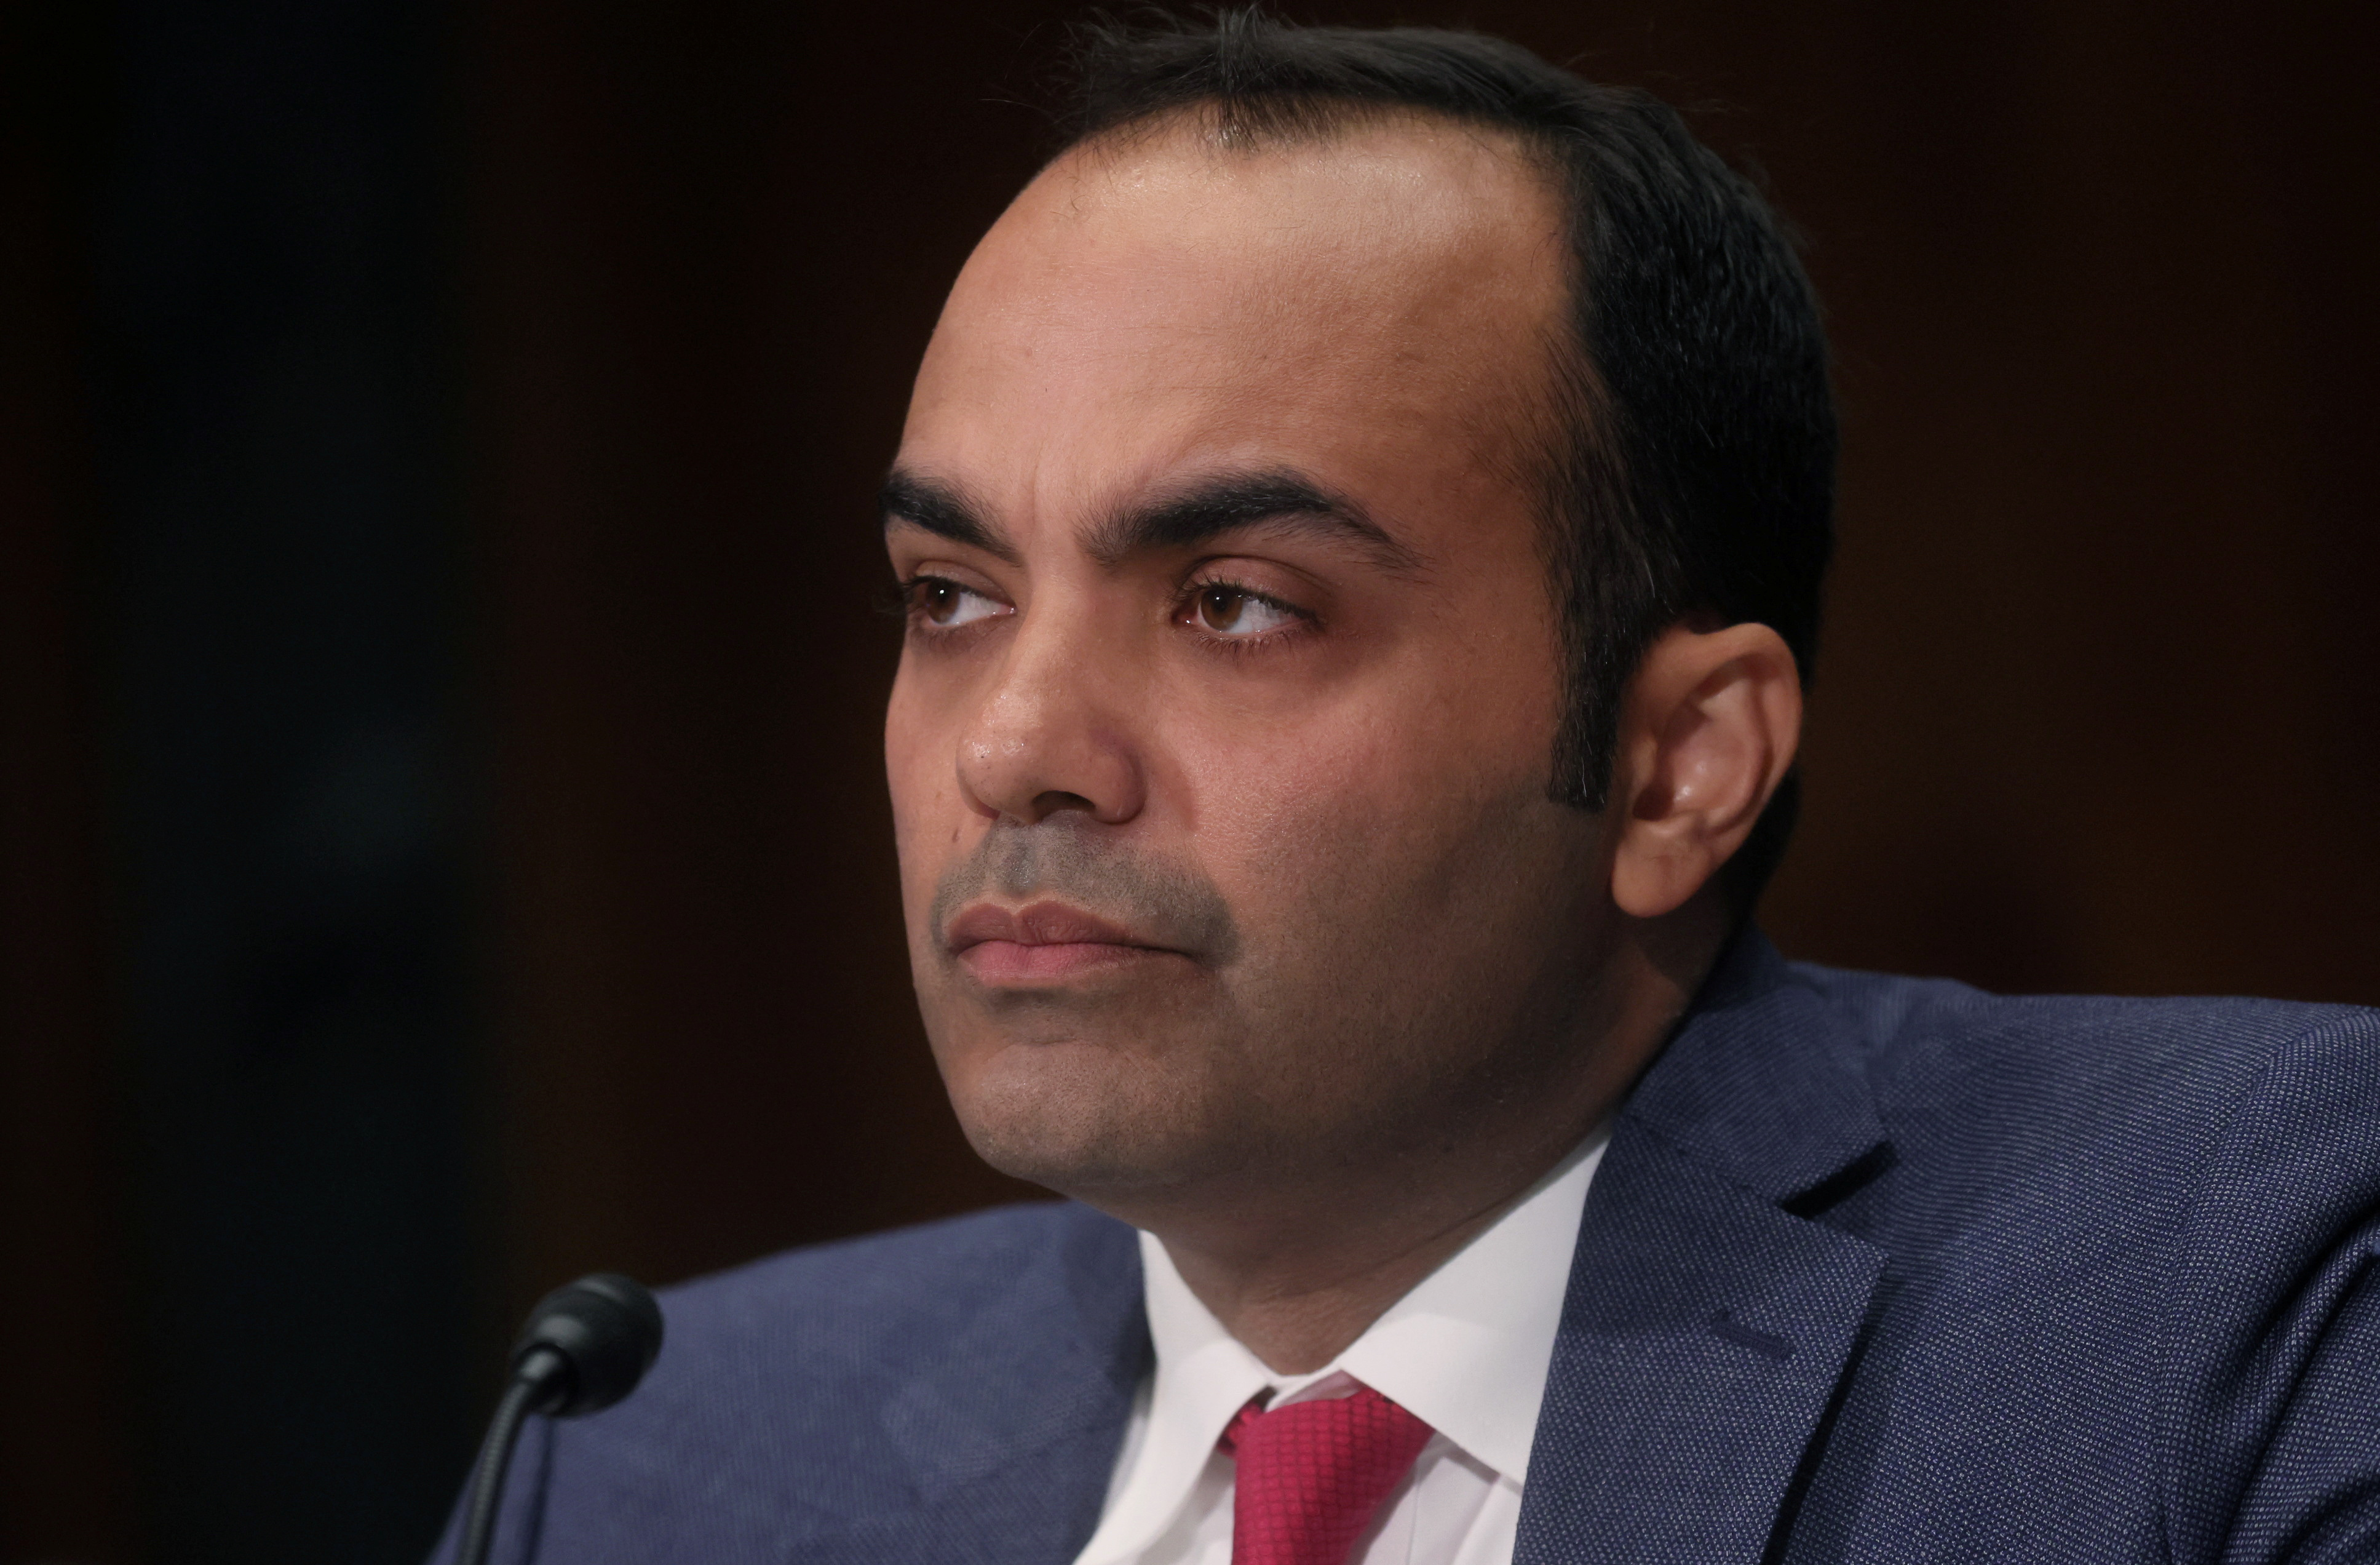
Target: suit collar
(1707, 1327)
(1762, 1085)
(1007, 1387)
(1008, 1429)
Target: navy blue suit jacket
(1874, 1269)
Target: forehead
(1376, 306)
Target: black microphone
(585, 1347)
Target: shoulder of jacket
(1915, 1031)
(924, 1269)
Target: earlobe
(1711, 723)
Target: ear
(1708, 728)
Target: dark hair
(1693, 468)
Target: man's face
(1219, 746)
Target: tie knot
(1312, 1474)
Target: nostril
(1050, 803)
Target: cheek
(1393, 849)
(919, 777)
(1357, 821)
(1401, 756)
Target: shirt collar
(1466, 1350)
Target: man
(1361, 520)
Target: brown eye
(1220, 607)
(1236, 614)
(946, 605)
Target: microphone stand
(535, 1379)
(585, 1347)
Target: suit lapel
(1010, 1430)
(1706, 1326)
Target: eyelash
(905, 603)
(1302, 621)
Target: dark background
(445, 848)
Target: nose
(1054, 729)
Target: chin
(1083, 1119)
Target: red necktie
(1312, 1474)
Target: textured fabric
(1874, 1270)
(1465, 1351)
(1312, 1474)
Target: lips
(1040, 941)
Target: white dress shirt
(1466, 1351)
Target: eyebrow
(1277, 498)
(943, 511)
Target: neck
(1297, 1266)
(1297, 1309)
